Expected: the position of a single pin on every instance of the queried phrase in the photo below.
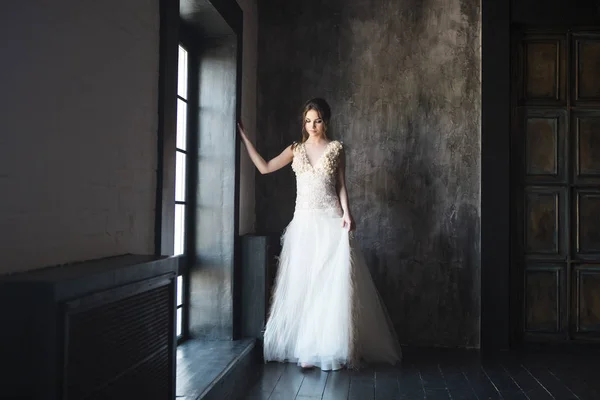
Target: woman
(325, 310)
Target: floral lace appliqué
(316, 184)
(327, 163)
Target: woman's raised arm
(266, 167)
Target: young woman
(325, 311)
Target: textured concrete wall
(78, 120)
(212, 270)
(403, 79)
(249, 59)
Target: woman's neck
(316, 140)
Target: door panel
(544, 221)
(543, 69)
(586, 301)
(586, 131)
(544, 299)
(586, 49)
(587, 218)
(556, 197)
(545, 159)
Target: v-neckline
(320, 157)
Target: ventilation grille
(121, 349)
(150, 380)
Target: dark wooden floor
(543, 373)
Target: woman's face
(314, 124)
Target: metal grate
(149, 380)
(121, 349)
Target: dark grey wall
(211, 275)
(403, 80)
(555, 12)
(78, 121)
(247, 170)
(495, 176)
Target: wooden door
(556, 195)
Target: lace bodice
(316, 184)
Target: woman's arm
(266, 167)
(347, 221)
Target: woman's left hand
(348, 222)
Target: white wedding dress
(325, 309)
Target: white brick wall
(249, 76)
(78, 120)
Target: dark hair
(322, 108)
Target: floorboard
(443, 374)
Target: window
(181, 152)
(180, 175)
(179, 305)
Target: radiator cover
(104, 329)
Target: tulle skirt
(325, 309)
